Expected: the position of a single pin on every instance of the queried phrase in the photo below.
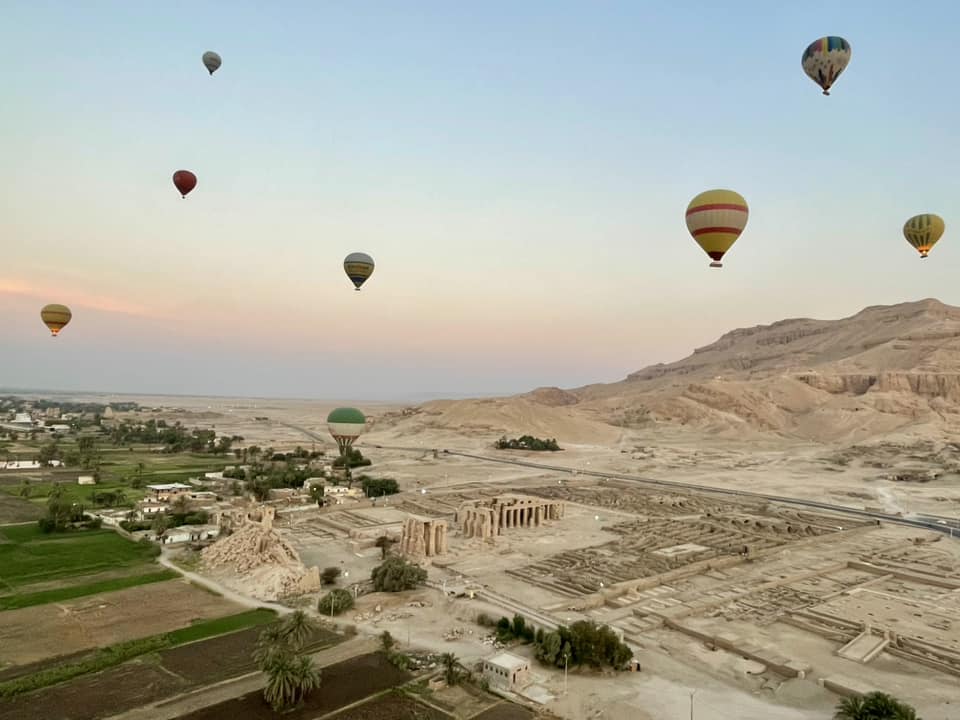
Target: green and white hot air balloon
(345, 426)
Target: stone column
(427, 539)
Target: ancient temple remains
(489, 518)
(423, 536)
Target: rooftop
(507, 661)
(169, 486)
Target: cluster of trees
(355, 458)
(874, 706)
(527, 442)
(583, 643)
(77, 408)
(396, 574)
(291, 673)
(62, 514)
(376, 487)
(335, 602)
(174, 438)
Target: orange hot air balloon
(55, 317)
(715, 219)
(184, 181)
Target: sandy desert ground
(753, 604)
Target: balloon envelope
(715, 219)
(184, 181)
(923, 231)
(55, 317)
(825, 59)
(359, 267)
(211, 61)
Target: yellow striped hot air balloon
(923, 231)
(55, 317)
(715, 219)
(359, 267)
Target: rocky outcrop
(932, 385)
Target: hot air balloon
(358, 266)
(715, 219)
(923, 231)
(211, 61)
(825, 59)
(346, 425)
(55, 317)
(184, 181)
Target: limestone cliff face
(934, 385)
(886, 366)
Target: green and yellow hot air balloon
(55, 317)
(715, 219)
(923, 231)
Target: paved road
(948, 526)
(236, 687)
(216, 587)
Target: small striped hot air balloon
(55, 317)
(715, 219)
(825, 59)
(923, 232)
(358, 266)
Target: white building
(148, 508)
(23, 420)
(507, 671)
(168, 491)
(86, 480)
(190, 533)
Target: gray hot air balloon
(211, 61)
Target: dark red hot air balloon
(185, 181)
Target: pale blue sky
(496, 158)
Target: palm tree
(290, 677)
(298, 628)
(874, 706)
(450, 664)
(271, 644)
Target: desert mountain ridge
(885, 370)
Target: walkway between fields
(216, 587)
(236, 687)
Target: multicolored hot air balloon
(346, 425)
(923, 231)
(715, 219)
(211, 61)
(359, 267)
(825, 59)
(55, 317)
(184, 181)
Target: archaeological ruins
(423, 537)
(486, 519)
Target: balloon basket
(716, 264)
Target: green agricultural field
(120, 469)
(34, 563)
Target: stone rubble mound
(263, 563)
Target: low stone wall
(780, 664)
